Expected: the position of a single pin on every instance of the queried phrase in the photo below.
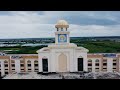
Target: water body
(35, 44)
(8, 45)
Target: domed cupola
(62, 25)
(62, 35)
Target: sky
(41, 24)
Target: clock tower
(62, 33)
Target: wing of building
(62, 56)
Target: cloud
(36, 24)
(95, 30)
(50, 17)
(26, 30)
(47, 30)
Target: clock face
(62, 38)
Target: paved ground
(33, 75)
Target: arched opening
(97, 60)
(89, 65)
(97, 65)
(29, 65)
(6, 65)
(22, 69)
(62, 63)
(36, 65)
(45, 64)
(80, 63)
(13, 65)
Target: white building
(62, 56)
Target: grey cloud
(42, 23)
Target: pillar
(109, 65)
(40, 63)
(71, 61)
(85, 66)
(32, 65)
(17, 66)
(93, 65)
(52, 62)
(2, 68)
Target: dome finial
(62, 24)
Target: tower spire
(62, 35)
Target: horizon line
(54, 37)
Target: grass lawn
(93, 46)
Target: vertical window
(36, 65)
(6, 67)
(97, 60)
(29, 65)
(89, 65)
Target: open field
(21, 50)
(101, 45)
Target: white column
(17, 66)
(2, 68)
(71, 61)
(67, 38)
(40, 63)
(56, 38)
(68, 62)
(52, 61)
(93, 65)
(57, 65)
(49, 64)
(26, 68)
(32, 65)
(75, 62)
(119, 64)
(100, 65)
(85, 67)
(109, 65)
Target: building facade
(62, 56)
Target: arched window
(5, 61)
(28, 61)
(36, 65)
(44, 57)
(89, 65)
(89, 60)
(29, 65)
(12, 61)
(97, 60)
(35, 62)
(80, 57)
(6, 67)
(21, 61)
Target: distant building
(62, 56)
